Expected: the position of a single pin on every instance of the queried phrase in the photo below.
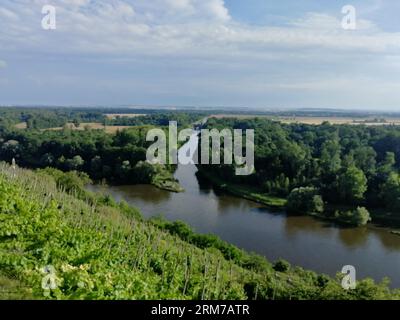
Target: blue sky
(255, 53)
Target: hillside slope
(97, 249)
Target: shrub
(281, 265)
(305, 200)
(357, 217)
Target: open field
(341, 120)
(239, 116)
(92, 126)
(123, 115)
(373, 121)
(21, 125)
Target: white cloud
(303, 54)
(180, 4)
(217, 9)
(176, 26)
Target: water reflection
(389, 241)
(354, 237)
(301, 224)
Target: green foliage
(305, 201)
(184, 119)
(330, 156)
(129, 211)
(75, 163)
(71, 182)
(357, 217)
(349, 165)
(391, 192)
(353, 185)
(11, 289)
(118, 159)
(281, 266)
(100, 252)
(42, 118)
(203, 241)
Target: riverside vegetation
(101, 249)
(348, 173)
(119, 158)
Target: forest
(337, 171)
(118, 158)
(46, 118)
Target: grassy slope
(11, 289)
(99, 252)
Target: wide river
(313, 244)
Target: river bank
(246, 192)
(166, 181)
(379, 217)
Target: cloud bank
(175, 26)
(207, 51)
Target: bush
(281, 265)
(305, 201)
(357, 217)
(72, 181)
(180, 229)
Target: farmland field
(124, 115)
(91, 126)
(371, 121)
(21, 125)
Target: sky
(233, 53)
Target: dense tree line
(345, 165)
(43, 118)
(118, 158)
(184, 119)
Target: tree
(75, 163)
(281, 265)
(387, 165)
(358, 217)
(391, 192)
(144, 172)
(330, 156)
(123, 170)
(95, 165)
(365, 159)
(47, 160)
(361, 216)
(352, 185)
(305, 201)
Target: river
(304, 241)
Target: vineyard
(99, 249)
